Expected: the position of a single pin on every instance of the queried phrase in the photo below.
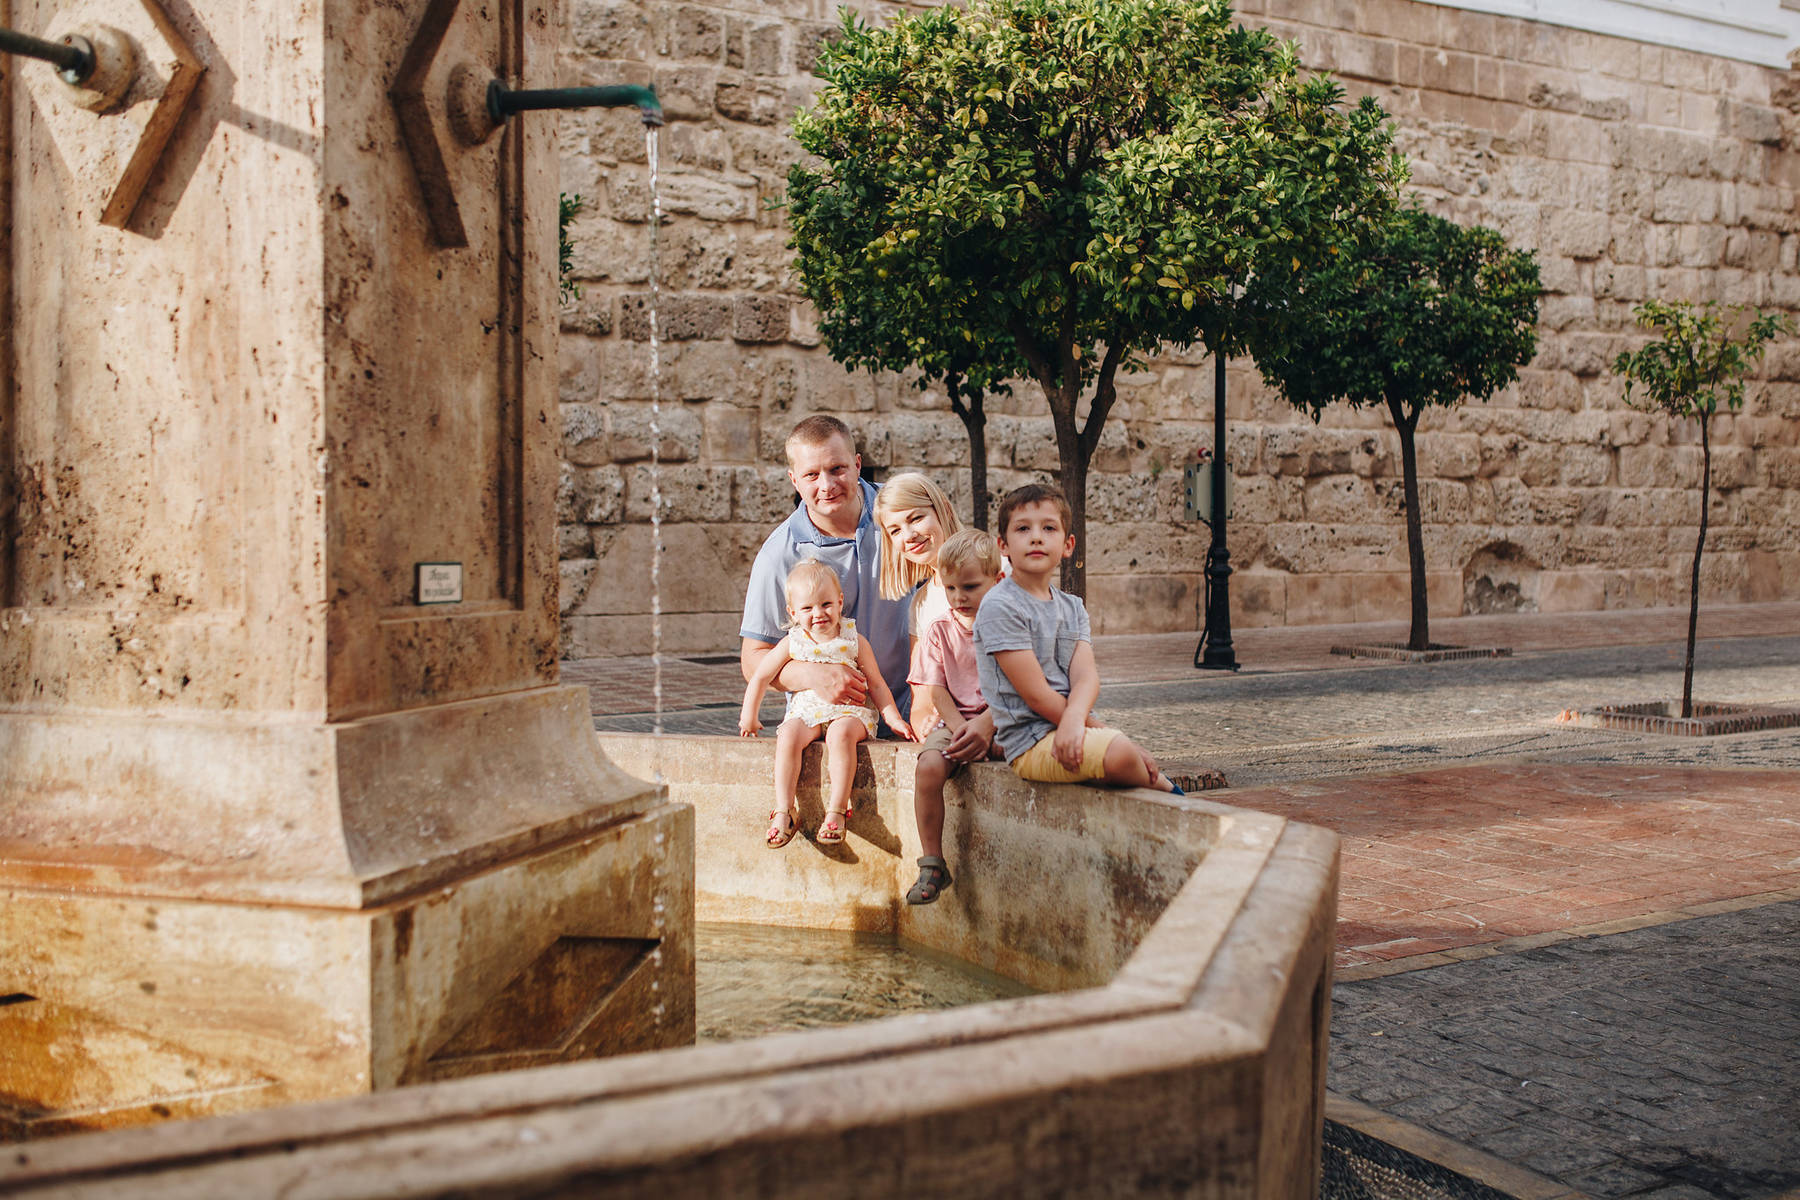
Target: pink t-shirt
(946, 659)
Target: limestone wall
(1633, 170)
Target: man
(836, 525)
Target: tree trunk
(974, 420)
(1420, 637)
(1687, 673)
(1074, 474)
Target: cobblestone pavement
(1569, 958)
(1656, 1063)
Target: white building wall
(1758, 31)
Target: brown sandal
(830, 834)
(934, 877)
(777, 837)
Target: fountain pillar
(292, 803)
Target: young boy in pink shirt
(968, 565)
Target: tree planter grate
(1438, 652)
(1661, 716)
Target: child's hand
(748, 723)
(969, 744)
(898, 724)
(1067, 748)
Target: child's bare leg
(1129, 766)
(791, 741)
(929, 777)
(841, 737)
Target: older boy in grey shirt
(1036, 658)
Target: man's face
(825, 475)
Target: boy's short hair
(818, 429)
(969, 548)
(1036, 493)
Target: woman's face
(915, 533)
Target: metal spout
(73, 57)
(503, 102)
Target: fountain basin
(1180, 1046)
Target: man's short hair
(818, 429)
(1035, 493)
(969, 548)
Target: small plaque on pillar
(437, 583)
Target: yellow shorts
(1039, 763)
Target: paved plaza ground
(1568, 958)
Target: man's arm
(837, 684)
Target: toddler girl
(818, 631)
(916, 518)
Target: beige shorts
(940, 738)
(1039, 763)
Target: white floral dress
(811, 707)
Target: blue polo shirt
(857, 561)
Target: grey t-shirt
(1011, 618)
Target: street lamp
(1214, 651)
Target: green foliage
(1054, 188)
(566, 208)
(1419, 312)
(1695, 364)
(1688, 371)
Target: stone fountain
(292, 804)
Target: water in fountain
(752, 980)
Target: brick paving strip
(1439, 860)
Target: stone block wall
(1633, 170)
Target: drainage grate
(1438, 652)
(1359, 1167)
(713, 660)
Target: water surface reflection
(753, 980)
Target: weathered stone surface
(1633, 173)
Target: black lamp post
(1214, 651)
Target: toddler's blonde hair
(899, 574)
(810, 570)
(970, 548)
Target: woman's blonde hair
(810, 570)
(900, 575)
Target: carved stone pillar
(291, 801)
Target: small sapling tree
(1420, 312)
(1052, 189)
(1693, 366)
